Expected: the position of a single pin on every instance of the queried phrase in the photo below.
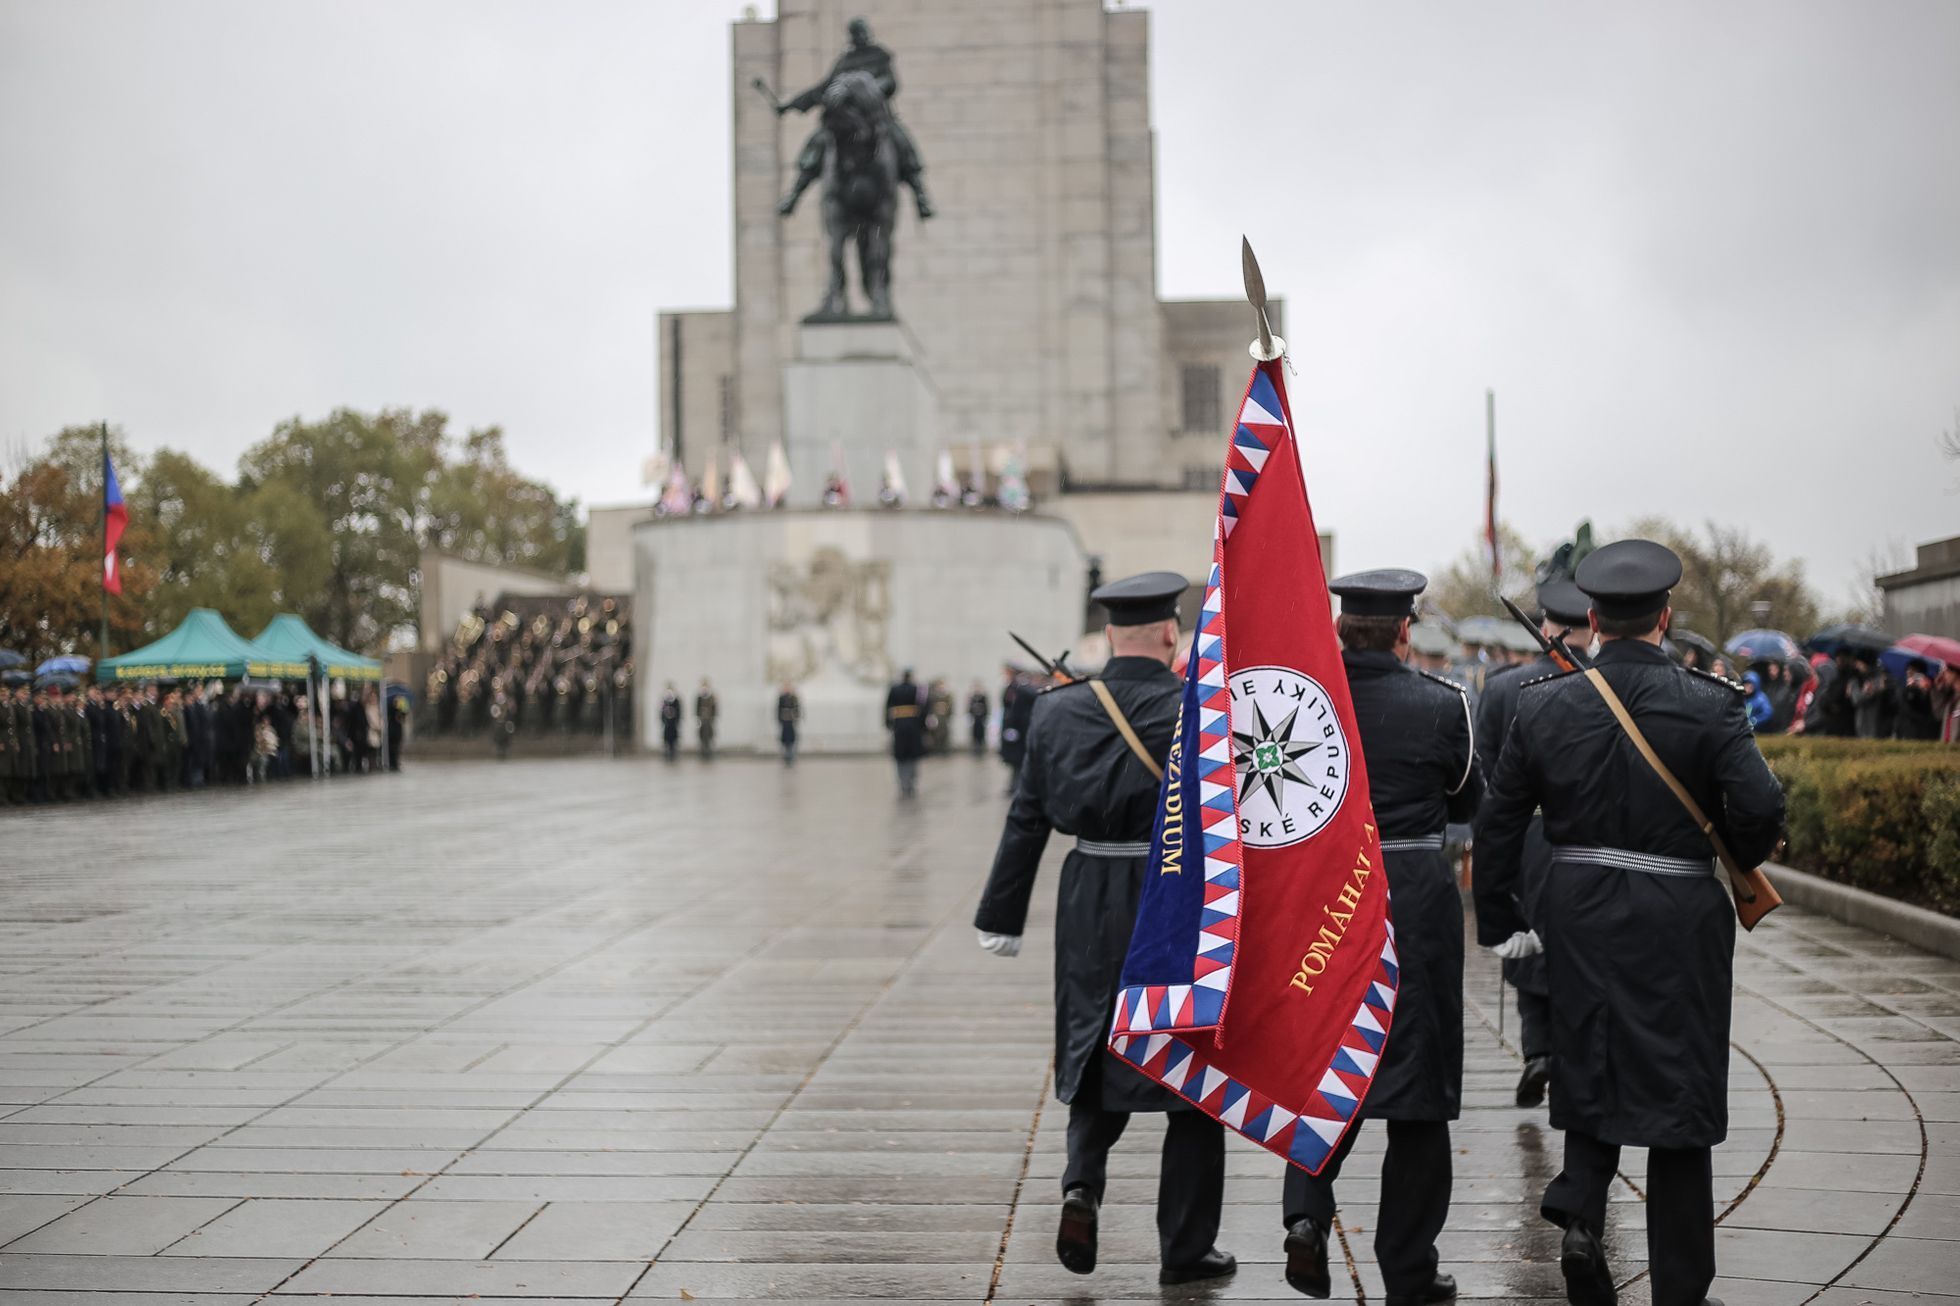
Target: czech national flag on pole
(115, 516)
(1261, 979)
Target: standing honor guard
(1417, 742)
(1640, 937)
(1562, 605)
(1095, 757)
(905, 718)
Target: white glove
(1001, 945)
(1525, 943)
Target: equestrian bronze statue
(861, 153)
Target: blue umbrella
(10, 659)
(1763, 646)
(71, 664)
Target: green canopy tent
(288, 642)
(202, 647)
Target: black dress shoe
(1441, 1288)
(1306, 1258)
(1214, 1264)
(1075, 1241)
(1531, 1085)
(1587, 1280)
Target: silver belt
(1422, 843)
(1628, 860)
(1102, 848)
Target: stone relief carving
(830, 618)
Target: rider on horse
(865, 56)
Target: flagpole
(1490, 483)
(102, 574)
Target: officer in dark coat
(977, 710)
(789, 712)
(1640, 934)
(670, 721)
(1081, 778)
(1422, 774)
(1016, 711)
(905, 717)
(1563, 608)
(707, 711)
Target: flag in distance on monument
(775, 477)
(1261, 979)
(115, 517)
(743, 492)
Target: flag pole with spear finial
(1268, 346)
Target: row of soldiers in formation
(59, 743)
(1587, 865)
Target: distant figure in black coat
(905, 717)
(789, 712)
(670, 721)
(977, 711)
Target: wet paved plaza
(589, 1032)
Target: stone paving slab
(577, 1031)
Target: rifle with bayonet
(1059, 668)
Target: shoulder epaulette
(1540, 680)
(1733, 686)
(1444, 681)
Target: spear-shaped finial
(1255, 294)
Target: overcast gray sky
(1708, 255)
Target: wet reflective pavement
(588, 1032)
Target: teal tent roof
(287, 643)
(202, 647)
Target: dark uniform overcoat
(905, 717)
(1422, 774)
(1640, 963)
(1081, 779)
(1495, 710)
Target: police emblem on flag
(1290, 753)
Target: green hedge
(1879, 815)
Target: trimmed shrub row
(1881, 815)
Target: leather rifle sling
(1755, 896)
(1122, 724)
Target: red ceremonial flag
(1261, 979)
(115, 516)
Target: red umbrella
(1933, 648)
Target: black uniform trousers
(1416, 1179)
(1534, 1024)
(1190, 1181)
(1680, 1210)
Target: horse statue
(860, 191)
